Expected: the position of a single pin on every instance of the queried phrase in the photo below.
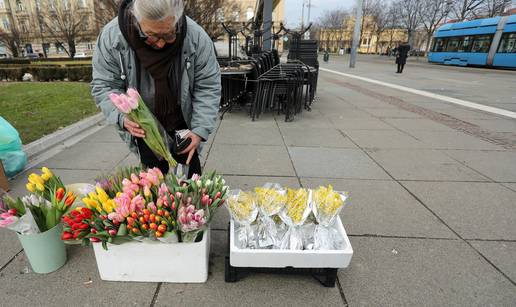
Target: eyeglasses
(153, 39)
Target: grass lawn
(37, 109)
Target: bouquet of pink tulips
(155, 136)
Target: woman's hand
(133, 128)
(196, 140)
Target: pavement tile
(346, 124)
(423, 164)
(501, 254)
(498, 125)
(497, 165)
(102, 156)
(384, 139)
(253, 290)
(453, 140)
(334, 163)
(9, 244)
(474, 210)
(410, 124)
(511, 186)
(248, 183)
(70, 285)
(305, 120)
(315, 137)
(378, 207)
(109, 134)
(391, 113)
(243, 134)
(250, 160)
(412, 272)
(130, 160)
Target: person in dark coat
(401, 56)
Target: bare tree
(105, 11)
(466, 9)
(380, 18)
(14, 37)
(410, 16)
(492, 8)
(393, 21)
(432, 15)
(209, 15)
(67, 22)
(332, 22)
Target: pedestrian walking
(401, 56)
(153, 47)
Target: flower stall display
(242, 207)
(156, 137)
(134, 213)
(304, 227)
(271, 200)
(36, 219)
(288, 219)
(327, 204)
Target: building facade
(372, 41)
(36, 25)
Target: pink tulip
(152, 207)
(134, 98)
(120, 102)
(8, 221)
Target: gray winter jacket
(114, 70)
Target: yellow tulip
(30, 187)
(40, 187)
(92, 195)
(47, 172)
(46, 176)
(102, 196)
(35, 179)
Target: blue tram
(483, 42)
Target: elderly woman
(153, 47)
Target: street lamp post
(356, 35)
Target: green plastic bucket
(46, 251)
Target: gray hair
(157, 9)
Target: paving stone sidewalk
(431, 217)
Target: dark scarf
(164, 65)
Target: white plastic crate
(277, 258)
(155, 261)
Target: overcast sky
(293, 9)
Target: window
(453, 44)
(52, 5)
(46, 47)
(220, 15)
(19, 5)
(59, 47)
(24, 26)
(236, 15)
(82, 4)
(250, 13)
(508, 43)
(481, 43)
(439, 45)
(466, 43)
(2, 4)
(85, 23)
(66, 4)
(5, 23)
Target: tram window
(508, 43)
(439, 45)
(481, 43)
(466, 44)
(453, 44)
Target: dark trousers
(400, 67)
(149, 159)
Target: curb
(49, 141)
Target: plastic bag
(271, 199)
(243, 209)
(11, 149)
(294, 214)
(327, 204)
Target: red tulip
(60, 194)
(66, 235)
(93, 239)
